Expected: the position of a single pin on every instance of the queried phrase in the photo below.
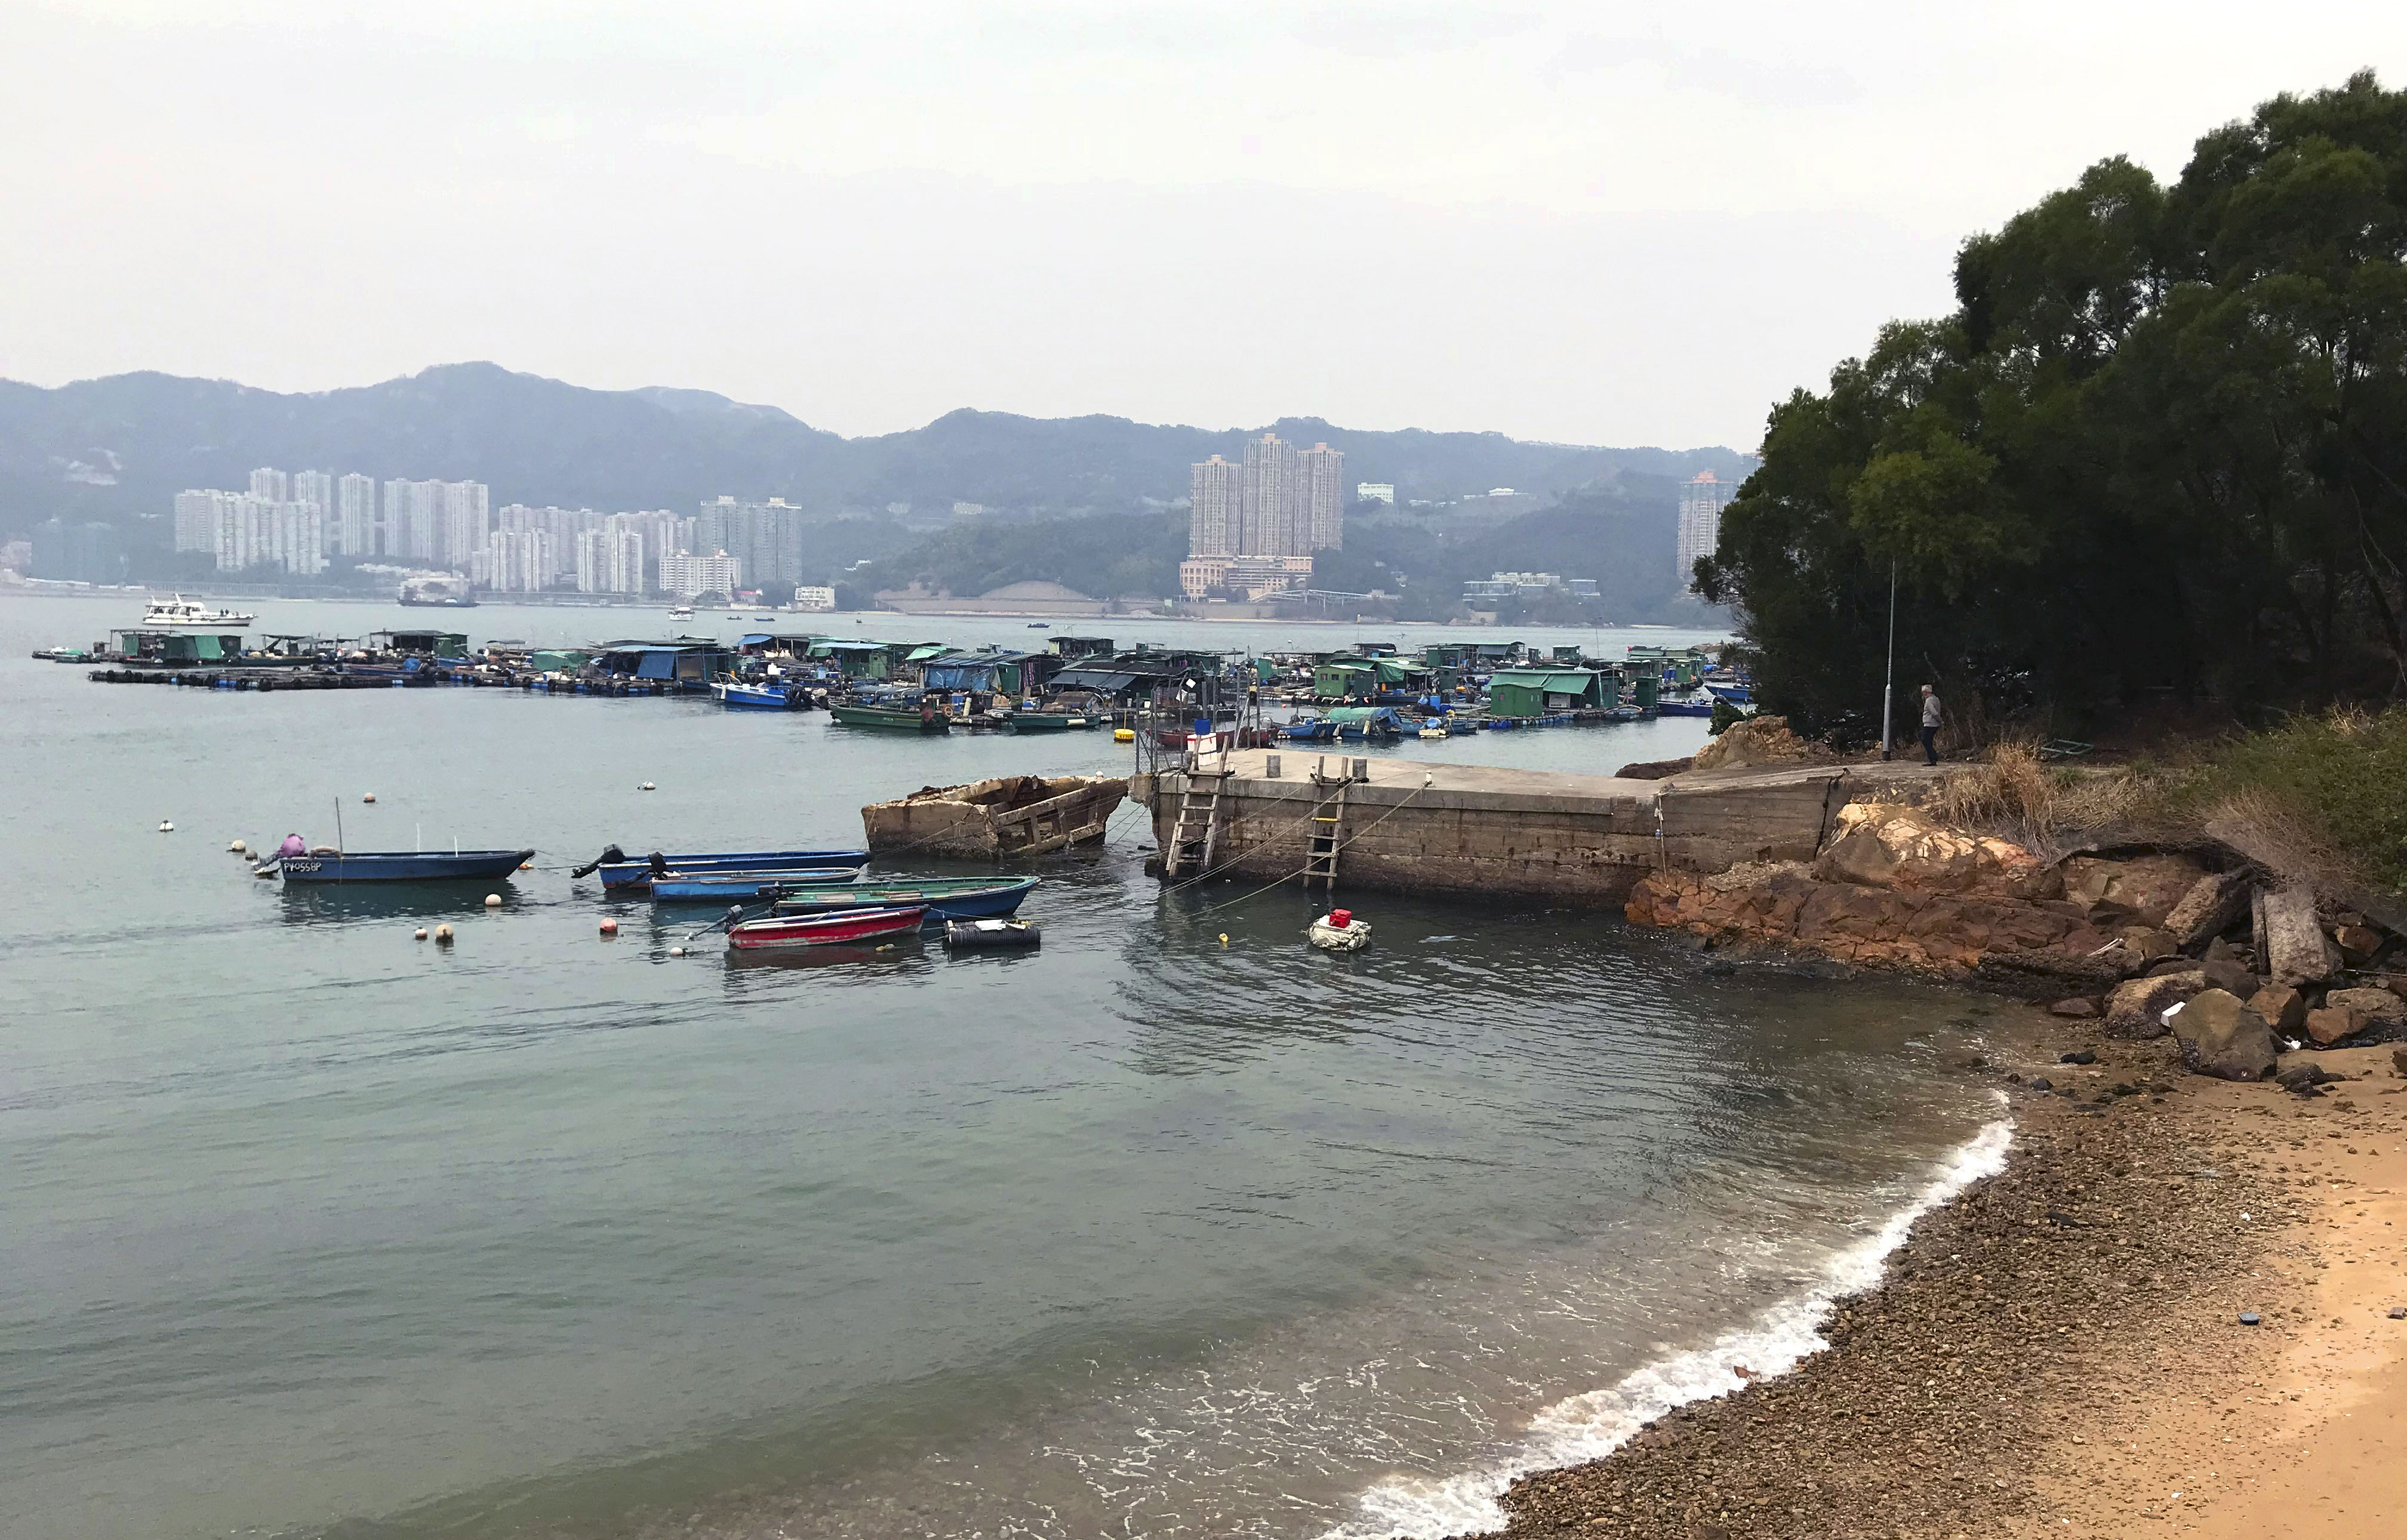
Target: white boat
(178, 610)
(682, 612)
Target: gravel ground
(2112, 1255)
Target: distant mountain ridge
(119, 448)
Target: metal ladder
(1196, 831)
(1328, 821)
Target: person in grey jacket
(1931, 713)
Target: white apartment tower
(1266, 524)
(1700, 522)
(270, 485)
(352, 531)
(1215, 500)
(467, 520)
(1321, 478)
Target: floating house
(685, 663)
(1545, 691)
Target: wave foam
(1592, 1425)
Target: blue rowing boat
(636, 875)
(756, 697)
(945, 897)
(750, 887)
(404, 866)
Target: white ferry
(181, 611)
(682, 612)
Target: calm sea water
(1173, 1228)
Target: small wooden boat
(825, 930)
(748, 886)
(403, 866)
(944, 897)
(635, 877)
(907, 718)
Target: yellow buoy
(493, 901)
(1123, 735)
(443, 936)
(1224, 938)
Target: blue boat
(1684, 708)
(636, 875)
(944, 898)
(756, 697)
(404, 866)
(1737, 694)
(748, 887)
(1309, 730)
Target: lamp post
(1889, 677)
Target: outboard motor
(610, 853)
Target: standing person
(1931, 714)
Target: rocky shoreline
(2023, 1332)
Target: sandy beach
(2065, 1349)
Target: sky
(1589, 223)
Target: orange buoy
(609, 927)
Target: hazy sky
(1599, 223)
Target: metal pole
(1888, 679)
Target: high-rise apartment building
(196, 518)
(270, 485)
(1266, 525)
(1320, 501)
(685, 575)
(767, 539)
(1215, 500)
(1700, 522)
(1280, 503)
(352, 530)
(467, 521)
(611, 560)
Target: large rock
(2222, 1037)
(1884, 845)
(2331, 1024)
(2374, 1005)
(2358, 942)
(2145, 889)
(2282, 1008)
(2295, 950)
(2138, 1005)
(2214, 904)
(1758, 740)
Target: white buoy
(370, 797)
(165, 827)
(493, 901)
(421, 933)
(443, 936)
(239, 847)
(645, 787)
(677, 952)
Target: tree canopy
(2159, 446)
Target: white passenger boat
(177, 610)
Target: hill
(117, 449)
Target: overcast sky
(1616, 225)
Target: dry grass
(2011, 790)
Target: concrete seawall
(1415, 827)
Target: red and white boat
(844, 926)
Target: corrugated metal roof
(1556, 681)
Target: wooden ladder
(1197, 831)
(1326, 839)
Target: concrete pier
(1417, 827)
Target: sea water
(1175, 1227)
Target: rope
(1342, 846)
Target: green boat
(944, 897)
(886, 716)
(1050, 721)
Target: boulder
(1885, 845)
(2151, 944)
(2374, 1005)
(2222, 1037)
(2296, 951)
(2331, 1024)
(2213, 905)
(1652, 769)
(2231, 974)
(2282, 1008)
(1756, 740)
(2136, 1008)
(2357, 944)
(2148, 888)
(2077, 1007)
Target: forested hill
(118, 449)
